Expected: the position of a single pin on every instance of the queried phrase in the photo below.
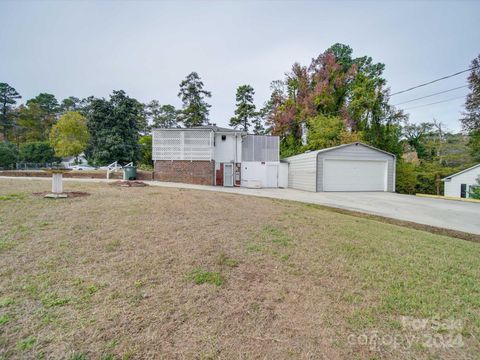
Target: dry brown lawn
(152, 273)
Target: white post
(57, 186)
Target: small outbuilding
(461, 183)
(349, 167)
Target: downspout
(236, 149)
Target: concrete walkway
(449, 214)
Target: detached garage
(350, 167)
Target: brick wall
(185, 171)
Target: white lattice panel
(182, 145)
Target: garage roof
(344, 145)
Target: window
(224, 137)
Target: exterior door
(463, 190)
(227, 174)
(272, 176)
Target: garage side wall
(302, 170)
(356, 152)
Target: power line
(434, 81)
(427, 96)
(438, 102)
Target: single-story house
(460, 184)
(71, 161)
(349, 167)
(212, 155)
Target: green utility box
(129, 173)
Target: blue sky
(84, 48)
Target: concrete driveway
(449, 214)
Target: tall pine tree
(471, 118)
(245, 113)
(195, 109)
(8, 98)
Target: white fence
(182, 145)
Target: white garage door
(354, 175)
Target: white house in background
(70, 161)
(211, 155)
(460, 184)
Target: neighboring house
(349, 167)
(460, 184)
(70, 161)
(211, 155)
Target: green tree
(415, 135)
(142, 120)
(474, 143)
(245, 112)
(71, 103)
(8, 98)
(37, 152)
(47, 102)
(336, 85)
(8, 155)
(195, 109)
(113, 128)
(69, 136)
(32, 123)
(325, 131)
(471, 117)
(162, 116)
(46, 109)
(258, 125)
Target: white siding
(283, 175)
(265, 174)
(453, 187)
(228, 150)
(302, 171)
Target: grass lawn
(135, 273)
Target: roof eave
(461, 172)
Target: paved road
(450, 214)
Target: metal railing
(113, 167)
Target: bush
(475, 190)
(145, 167)
(146, 151)
(406, 177)
(8, 155)
(37, 152)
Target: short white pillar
(57, 186)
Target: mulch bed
(129, 183)
(70, 194)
